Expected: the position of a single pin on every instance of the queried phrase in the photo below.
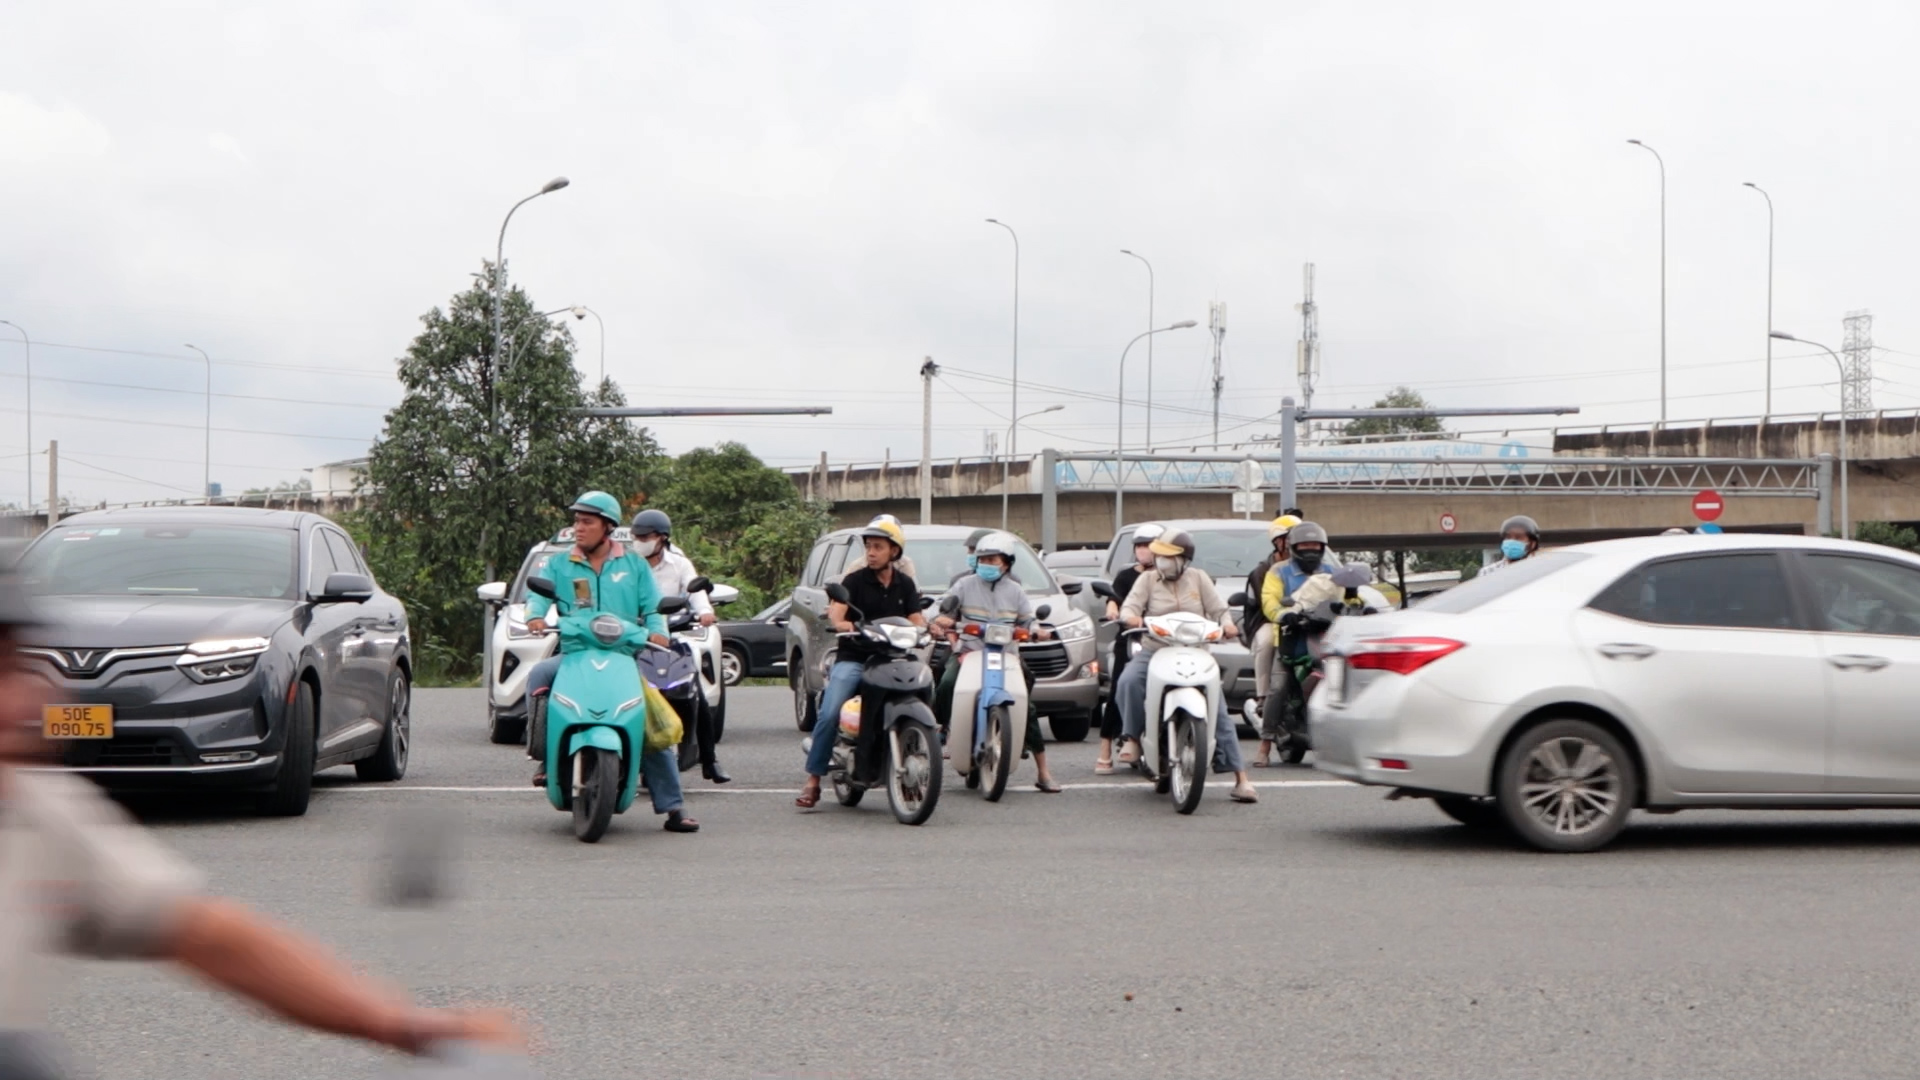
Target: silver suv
(1066, 685)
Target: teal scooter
(596, 713)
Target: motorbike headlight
(1189, 634)
(1078, 629)
(215, 661)
(696, 632)
(606, 629)
(903, 637)
(517, 630)
(998, 634)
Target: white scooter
(1183, 694)
(988, 734)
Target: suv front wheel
(804, 706)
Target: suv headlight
(1078, 629)
(214, 661)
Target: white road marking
(795, 790)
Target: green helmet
(598, 502)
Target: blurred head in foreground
(21, 691)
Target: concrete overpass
(1596, 484)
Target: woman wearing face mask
(1519, 539)
(1176, 585)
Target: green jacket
(624, 586)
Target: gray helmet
(1521, 521)
(997, 543)
(652, 521)
(1307, 532)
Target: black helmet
(1521, 521)
(652, 521)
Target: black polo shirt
(876, 601)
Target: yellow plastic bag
(663, 723)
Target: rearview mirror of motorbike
(926, 602)
(1353, 575)
(1102, 588)
(700, 584)
(1043, 611)
(1238, 599)
(671, 604)
(948, 603)
(540, 586)
(837, 593)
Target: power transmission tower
(1856, 393)
(1309, 355)
(1217, 322)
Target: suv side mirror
(1069, 584)
(1043, 611)
(493, 592)
(345, 588)
(540, 586)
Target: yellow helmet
(882, 528)
(1281, 526)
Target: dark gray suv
(219, 647)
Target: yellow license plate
(77, 721)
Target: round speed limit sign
(1447, 523)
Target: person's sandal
(808, 800)
(676, 822)
(1129, 754)
(1266, 755)
(1047, 786)
(1244, 793)
(1103, 767)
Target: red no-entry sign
(1707, 506)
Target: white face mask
(1169, 568)
(646, 548)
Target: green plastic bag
(663, 723)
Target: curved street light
(1006, 463)
(1846, 515)
(1663, 273)
(1769, 198)
(29, 343)
(1149, 266)
(1014, 408)
(206, 475)
(1120, 426)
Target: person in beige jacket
(79, 876)
(1175, 584)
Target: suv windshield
(165, 560)
(1225, 554)
(536, 559)
(937, 562)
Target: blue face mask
(1514, 550)
(988, 572)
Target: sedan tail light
(1402, 655)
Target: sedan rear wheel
(1567, 786)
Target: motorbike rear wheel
(913, 778)
(996, 755)
(1188, 761)
(599, 791)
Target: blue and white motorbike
(992, 690)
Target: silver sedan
(1667, 673)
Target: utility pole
(1856, 393)
(1217, 322)
(53, 482)
(1309, 353)
(927, 371)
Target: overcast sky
(784, 204)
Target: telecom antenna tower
(1217, 322)
(1856, 393)
(1309, 356)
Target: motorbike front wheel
(996, 756)
(1187, 763)
(599, 791)
(913, 776)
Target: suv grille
(125, 750)
(1045, 660)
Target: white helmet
(997, 543)
(1148, 533)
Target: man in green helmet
(601, 573)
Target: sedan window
(1742, 591)
(1482, 590)
(1853, 595)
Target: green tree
(1887, 533)
(1402, 397)
(462, 497)
(741, 521)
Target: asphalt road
(1323, 932)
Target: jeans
(843, 682)
(1131, 691)
(661, 771)
(540, 676)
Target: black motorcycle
(1299, 656)
(674, 670)
(887, 733)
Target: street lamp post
(1006, 464)
(206, 475)
(1769, 198)
(1120, 425)
(500, 343)
(1149, 266)
(581, 311)
(1663, 273)
(1014, 408)
(29, 466)
(1846, 516)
